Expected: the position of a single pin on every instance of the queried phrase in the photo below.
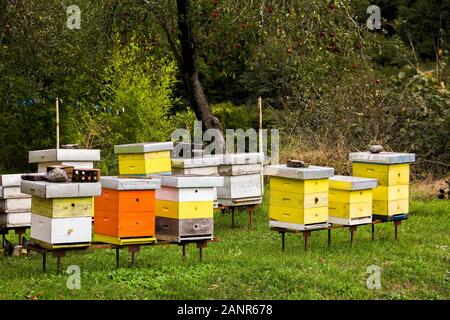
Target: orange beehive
(126, 208)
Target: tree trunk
(188, 67)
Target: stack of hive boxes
(77, 158)
(125, 212)
(242, 174)
(61, 212)
(298, 196)
(208, 166)
(391, 169)
(15, 206)
(144, 159)
(350, 200)
(184, 207)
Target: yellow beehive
(63, 207)
(391, 197)
(298, 196)
(350, 200)
(144, 159)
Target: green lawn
(248, 264)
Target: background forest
(327, 82)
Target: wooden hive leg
(352, 234)
(133, 249)
(183, 250)
(250, 211)
(306, 235)
(200, 246)
(232, 217)
(20, 234)
(373, 231)
(396, 224)
(283, 241)
(58, 255)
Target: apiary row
(312, 197)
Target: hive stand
(307, 233)
(132, 248)
(249, 207)
(19, 231)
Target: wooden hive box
(350, 200)
(207, 166)
(242, 174)
(61, 212)
(184, 207)
(77, 158)
(144, 159)
(125, 212)
(391, 169)
(15, 219)
(298, 197)
(15, 207)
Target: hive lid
(10, 180)
(240, 158)
(196, 162)
(190, 181)
(352, 183)
(52, 155)
(117, 183)
(383, 157)
(312, 172)
(45, 189)
(143, 147)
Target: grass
(248, 264)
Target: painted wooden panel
(298, 186)
(184, 210)
(387, 175)
(240, 187)
(144, 166)
(344, 196)
(202, 171)
(240, 169)
(10, 180)
(297, 215)
(126, 201)
(63, 207)
(350, 210)
(46, 189)
(399, 192)
(186, 194)
(299, 200)
(123, 241)
(309, 173)
(389, 208)
(183, 229)
(62, 230)
(352, 183)
(18, 219)
(143, 147)
(15, 205)
(12, 193)
(383, 157)
(52, 155)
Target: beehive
(207, 166)
(144, 159)
(15, 207)
(78, 158)
(242, 174)
(125, 212)
(298, 197)
(391, 169)
(61, 212)
(350, 200)
(184, 207)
